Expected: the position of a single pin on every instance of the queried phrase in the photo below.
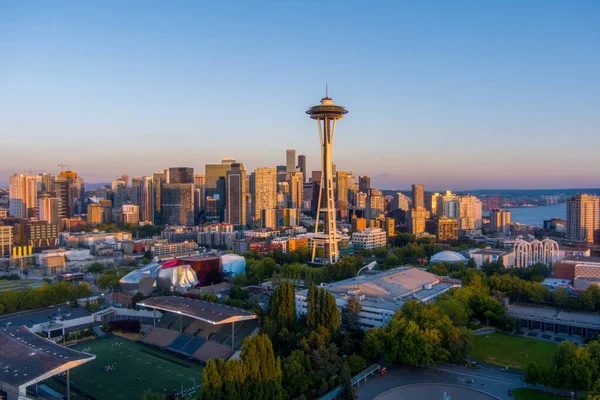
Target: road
(486, 379)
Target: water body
(535, 216)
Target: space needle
(326, 114)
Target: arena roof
(26, 358)
(212, 313)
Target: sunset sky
(452, 94)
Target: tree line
(46, 295)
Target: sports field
(136, 368)
(512, 351)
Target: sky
(452, 94)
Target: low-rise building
(164, 249)
(490, 255)
(381, 295)
(556, 321)
(369, 239)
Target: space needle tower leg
(327, 114)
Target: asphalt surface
(30, 318)
(489, 380)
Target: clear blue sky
(452, 94)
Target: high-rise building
(315, 180)
(6, 240)
(178, 204)
(265, 192)
(361, 200)
(500, 221)
(136, 191)
(295, 190)
(302, 166)
(200, 183)
(447, 229)
(17, 195)
(181, 175)
(418, 196)
(47, 183)
(95, 214)
(341, 191)
(401, 202)
(416, 220)
(375, 205)
(236, 194)
(290, 161)
(147, 200)
(281, 173)
(159, 179)
(582, 218)
(119, 189)
(469, 213)
(447, 205)
(213, 172)
(433, 205)
(327, 113)
(48, 209)
(390, 227)
(130, 214)
(364, 183)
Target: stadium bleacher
(160, 337)
(212, 350)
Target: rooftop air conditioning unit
(427, 286)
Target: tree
(96, 268)
(263, 369)
(150, 395)
(472, 264)
(283, 305)
(350, 315)
(212, 385)
(560, 297)
(322, 310)
(297, 371)
(347, 392)
(356, 363)
(534, 374)
(575, 366)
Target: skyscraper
(47, 183)
(416, 220)
(265, 193)
(582, 218)
(290, 160)
(500, 221)
(302, 166)
(375, 205)
(236, 195)
(327, 114)
(119, 189)
(213, 172)
(469, 213)
(48, 209)
(364, 183)
(200, 183)
(447, 205)
(136, 191)
(295, 190)
(147, 200)
(181, 175)
(418, 196)
(22, 195)
(401, 202)
(341, 191)
(159, 179)
(178, 204)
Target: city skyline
(470, 84)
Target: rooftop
(389, 289)
(26, 358)
(212, 313)
(553, 315)
(581, 259)
(492, 252)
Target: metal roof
(26, 358)
(212, 313)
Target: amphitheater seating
(212, 350)
(160, 337)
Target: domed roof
(447, 257)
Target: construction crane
(62, 167)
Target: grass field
(511, 351)
(138, 367)
(531, 394)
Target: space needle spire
(326, 114)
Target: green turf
(19, 284)
(532, 394)
(511, 351)
(157, 370)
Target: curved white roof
(448, 256)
